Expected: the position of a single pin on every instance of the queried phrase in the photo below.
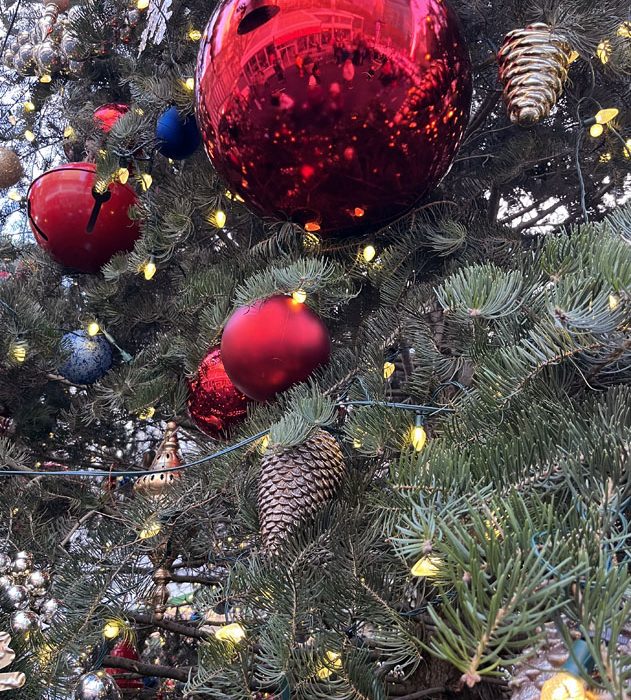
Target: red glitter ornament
(107, 115)
(74, 224)
(314, 111)
(272, 344)
(124, 650)
(215, 404)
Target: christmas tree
(315, 349)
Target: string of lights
(419, 410)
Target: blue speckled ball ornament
(178, 137)
(88, 358)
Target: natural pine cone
(534, 63)
(295, 484)
(539, 665)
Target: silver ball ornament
(71, 46)
(5, 563)
(16, 597)
(23, 621)
(5, 582)
(96, 686)
(8, 59)
(25, 59)
(37, 580)
(20, 566)
(23, 38)
(47, 58)
(48, 609)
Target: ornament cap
(256, 13)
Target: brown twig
(142, 669)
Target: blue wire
(94, 473)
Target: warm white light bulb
(369, 253)
(93, 328)
(299, 296)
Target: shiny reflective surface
(338, 114)
(72, 225)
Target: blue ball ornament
(177, 137)
(87, 358)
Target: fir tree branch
(179, 674)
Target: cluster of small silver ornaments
(51, 47)
(25, 593)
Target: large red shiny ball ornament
(78, 227)
(215, 404)
(124, 650)
(271, 345)
(337, 115)
(107, 115)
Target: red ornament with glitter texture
(338, 116)
(215, 404)
(107, 115)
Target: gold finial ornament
(534, 63)
(167, 457)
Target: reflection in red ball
(75, 225)
(214, 402)
(338, 115)
(107, 115)
(272, 344)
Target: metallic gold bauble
(96, 686)
(534, 63)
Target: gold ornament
(534, 63)
(8, 681)
(10, 168)
(296, 483)
(167, 457)
(161, 578)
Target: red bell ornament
(107, 115)
(78, 227)
(273, 344)
(338, 116)
(215, 404)
(124, 650)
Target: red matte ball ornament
(339, 116)
(107, 115)
(272, 344)
(215, 404)
(78, 227)
(124, 650)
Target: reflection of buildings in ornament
(296, 31)
(346, 96)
